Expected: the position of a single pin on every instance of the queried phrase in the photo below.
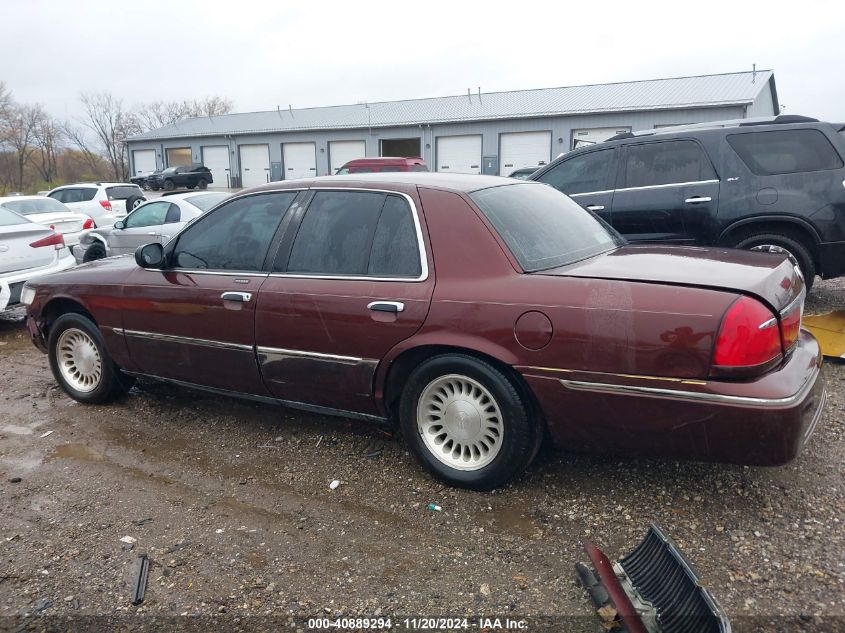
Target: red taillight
(749, 337)
(55, 239)
(790, 323)
(105, 204)
(89, 224)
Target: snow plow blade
(654, 589)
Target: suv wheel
(788, 244)
(81, 364)
(169, 185)
(467, 422)
(202, 184)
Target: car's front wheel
(467, 422)
(94, 252)
(81, 363)
(203, 183)
(169, 185)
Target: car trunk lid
(771, 278)
(16, 252)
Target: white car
(106, 202)
(50, 212)
(153, 221)
(27, 251)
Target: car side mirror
(150, 255)
(120, 224)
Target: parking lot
(232, 502)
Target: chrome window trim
(316, 355)
(171, 338)
(664, 186)
(695, 396)
(417, 229)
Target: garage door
(341, 152)
(459, 154)
(216, 158)
(591, 136)
(524, 149)
(299, 160)
(255, 164)
(144, 161)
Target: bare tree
(77, 137)
(158, 114)
(48, 136)
(19, 136)
(111, 125)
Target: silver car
(27, 251)
(156, 220)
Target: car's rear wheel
(81, 363)
(793, 246)
(169, 185)
(94, 252)
(467, 422)
(203, 183)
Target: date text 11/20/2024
(419, 624)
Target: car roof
(74, 185)
(8, 198)
(453, 182)
(186, 195)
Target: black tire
(155, 188)
(519, 439)
(94, 252)
(797, 246)
(202, 183)
(134, 201)
(190, 186)
(111, 384)
(169, 185)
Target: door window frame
(286, 243)
(623, 166)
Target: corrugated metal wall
(560, 127)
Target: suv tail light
(749, 340)
(55, 239)
(89, 224)
(105, 204)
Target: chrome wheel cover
(459, 422)
(79, 360)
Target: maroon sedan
(477, 314)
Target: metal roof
(651, 94)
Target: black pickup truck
(188, 176)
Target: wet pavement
(231, 500)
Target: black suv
(774, 184)
(189, 176)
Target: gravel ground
(231, 500)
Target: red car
(477, 314)
(382, 164)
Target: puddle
(510, 519)
(829, 329)
(75, 451)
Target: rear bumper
(831, 259)
(11, 283)
(766, 421)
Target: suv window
(235, 236)
(151, 214)
(123, 193)
(785, 151)
(76, 194)
(666, 163)
(357, 233)
(582, 174)
(542, 227)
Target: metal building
(478, 132)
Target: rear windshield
(785, 151)
(207, 200)
(123, 192)
(7, 218)
(542, 227)
(42, 205)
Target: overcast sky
(264, 54)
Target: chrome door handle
(595, 207)
(243, 297)
(386, 306)
(698, 199)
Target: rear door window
(122, 193)
(235, 236)
(666, 163)
(594, 171)
(785, 151)
(395, 251)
